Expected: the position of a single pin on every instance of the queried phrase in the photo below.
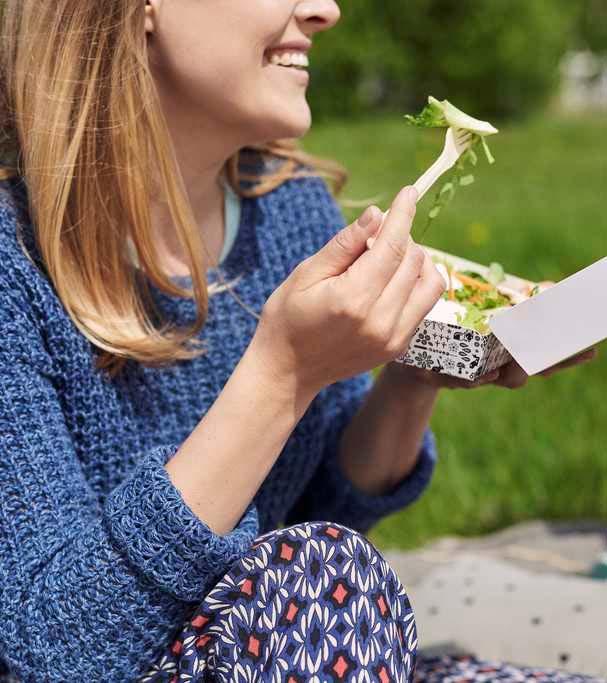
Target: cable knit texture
(101, 559)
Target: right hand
(346, 309)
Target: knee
(339, 567)
(323, 546)
(327, 532)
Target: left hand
(510, 376)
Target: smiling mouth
(297, 67)
(291, 66)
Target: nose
(317, 15)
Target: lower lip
(300, 74)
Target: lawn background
(505, 456)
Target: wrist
(410, 383)
(275, 378)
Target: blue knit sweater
(101, 560)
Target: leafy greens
(443, 114)
(477, 294)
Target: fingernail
(365, 218)
(413, 193)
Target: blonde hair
(82, 125)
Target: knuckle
(512, 383)
(416, 257)
(396, 248)
(299, 270)
(358, 310)
(338, 308)
(352, 309)
(271, 306)
(397, 345)
(343, 239)
(377, 334)
(437, 284)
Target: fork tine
(462, 135)
(457, 141)
(464, 141)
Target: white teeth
(289, 59)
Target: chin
(290, 125)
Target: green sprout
(437, 114)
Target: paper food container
(442, 345)
(539, 331)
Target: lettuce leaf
(473, 319)
(443, 114)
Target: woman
(153, 442)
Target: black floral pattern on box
(454, 350)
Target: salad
(443, 114)
(472, 298)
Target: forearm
(221, 465)
(381, 445)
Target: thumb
(340, 252)
(371, 240)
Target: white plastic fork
(457, 141)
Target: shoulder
(19, 258)
(299, 198)
(308, 211)
(24, 291)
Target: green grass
(541, 210)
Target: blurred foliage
(497, 59)
(504, 456)
(591, 29)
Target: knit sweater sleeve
(330, 495)
(88, 591)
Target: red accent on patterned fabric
(381, 603)
(247, 587)
(173, 680)
(340, 667)
(253, 646)
(199, 621)
(330, 531)
(177, 647)
(340, 593)
(291, 611)
(384, 676)
(202, 641)
(286, 551)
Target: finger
(371, 241)
(393, 299)
(512, 376)
(489, 378)
(427, 290)
(581, 358)
(340, 252)
(377, 266)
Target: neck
(202, 153)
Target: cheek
(204, 69)
(231, 89)
(215, 66)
